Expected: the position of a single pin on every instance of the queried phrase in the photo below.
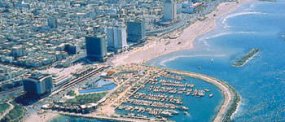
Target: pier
(231, 98)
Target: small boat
(184, 108)
(211, 95)
(174, 112)
(188, 93)
(212, 60)
(186, 113)
(166, 113)
(207, 90)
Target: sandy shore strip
(228, 93)
(157, 46)
(44, 117)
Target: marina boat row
(156, 104)
(150, 111)
(158, 97)
(173, 90)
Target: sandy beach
(157, 46)
(44, 117)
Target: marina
(146, 93)
(160, 97)
(153, 93)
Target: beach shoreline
(158, 46)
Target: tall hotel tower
(170, 10)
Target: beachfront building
(96, 47)
(136, 31)
(191, 6)
(170, 10)
(187, 7)
(38, 84)
(117, 38)
(187, 4)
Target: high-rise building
(71, 49)
(187, 7)
(96, 47)
(169, 10)
(136, 31)
(38, 84)
(52, 22)
(117, 37)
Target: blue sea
(260, 83)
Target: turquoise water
(261, 82)
(103, 88)
(99, 86)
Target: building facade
(170, 10)
(117, 38)
(38, 84)
(136, 31)
(17, 51)
(71, 49)
(96, 47)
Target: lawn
(84, 99)
(3, 107)
(15, 115)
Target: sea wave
(228, 33)
(163, 62)
(240, 14)
(239, 109)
